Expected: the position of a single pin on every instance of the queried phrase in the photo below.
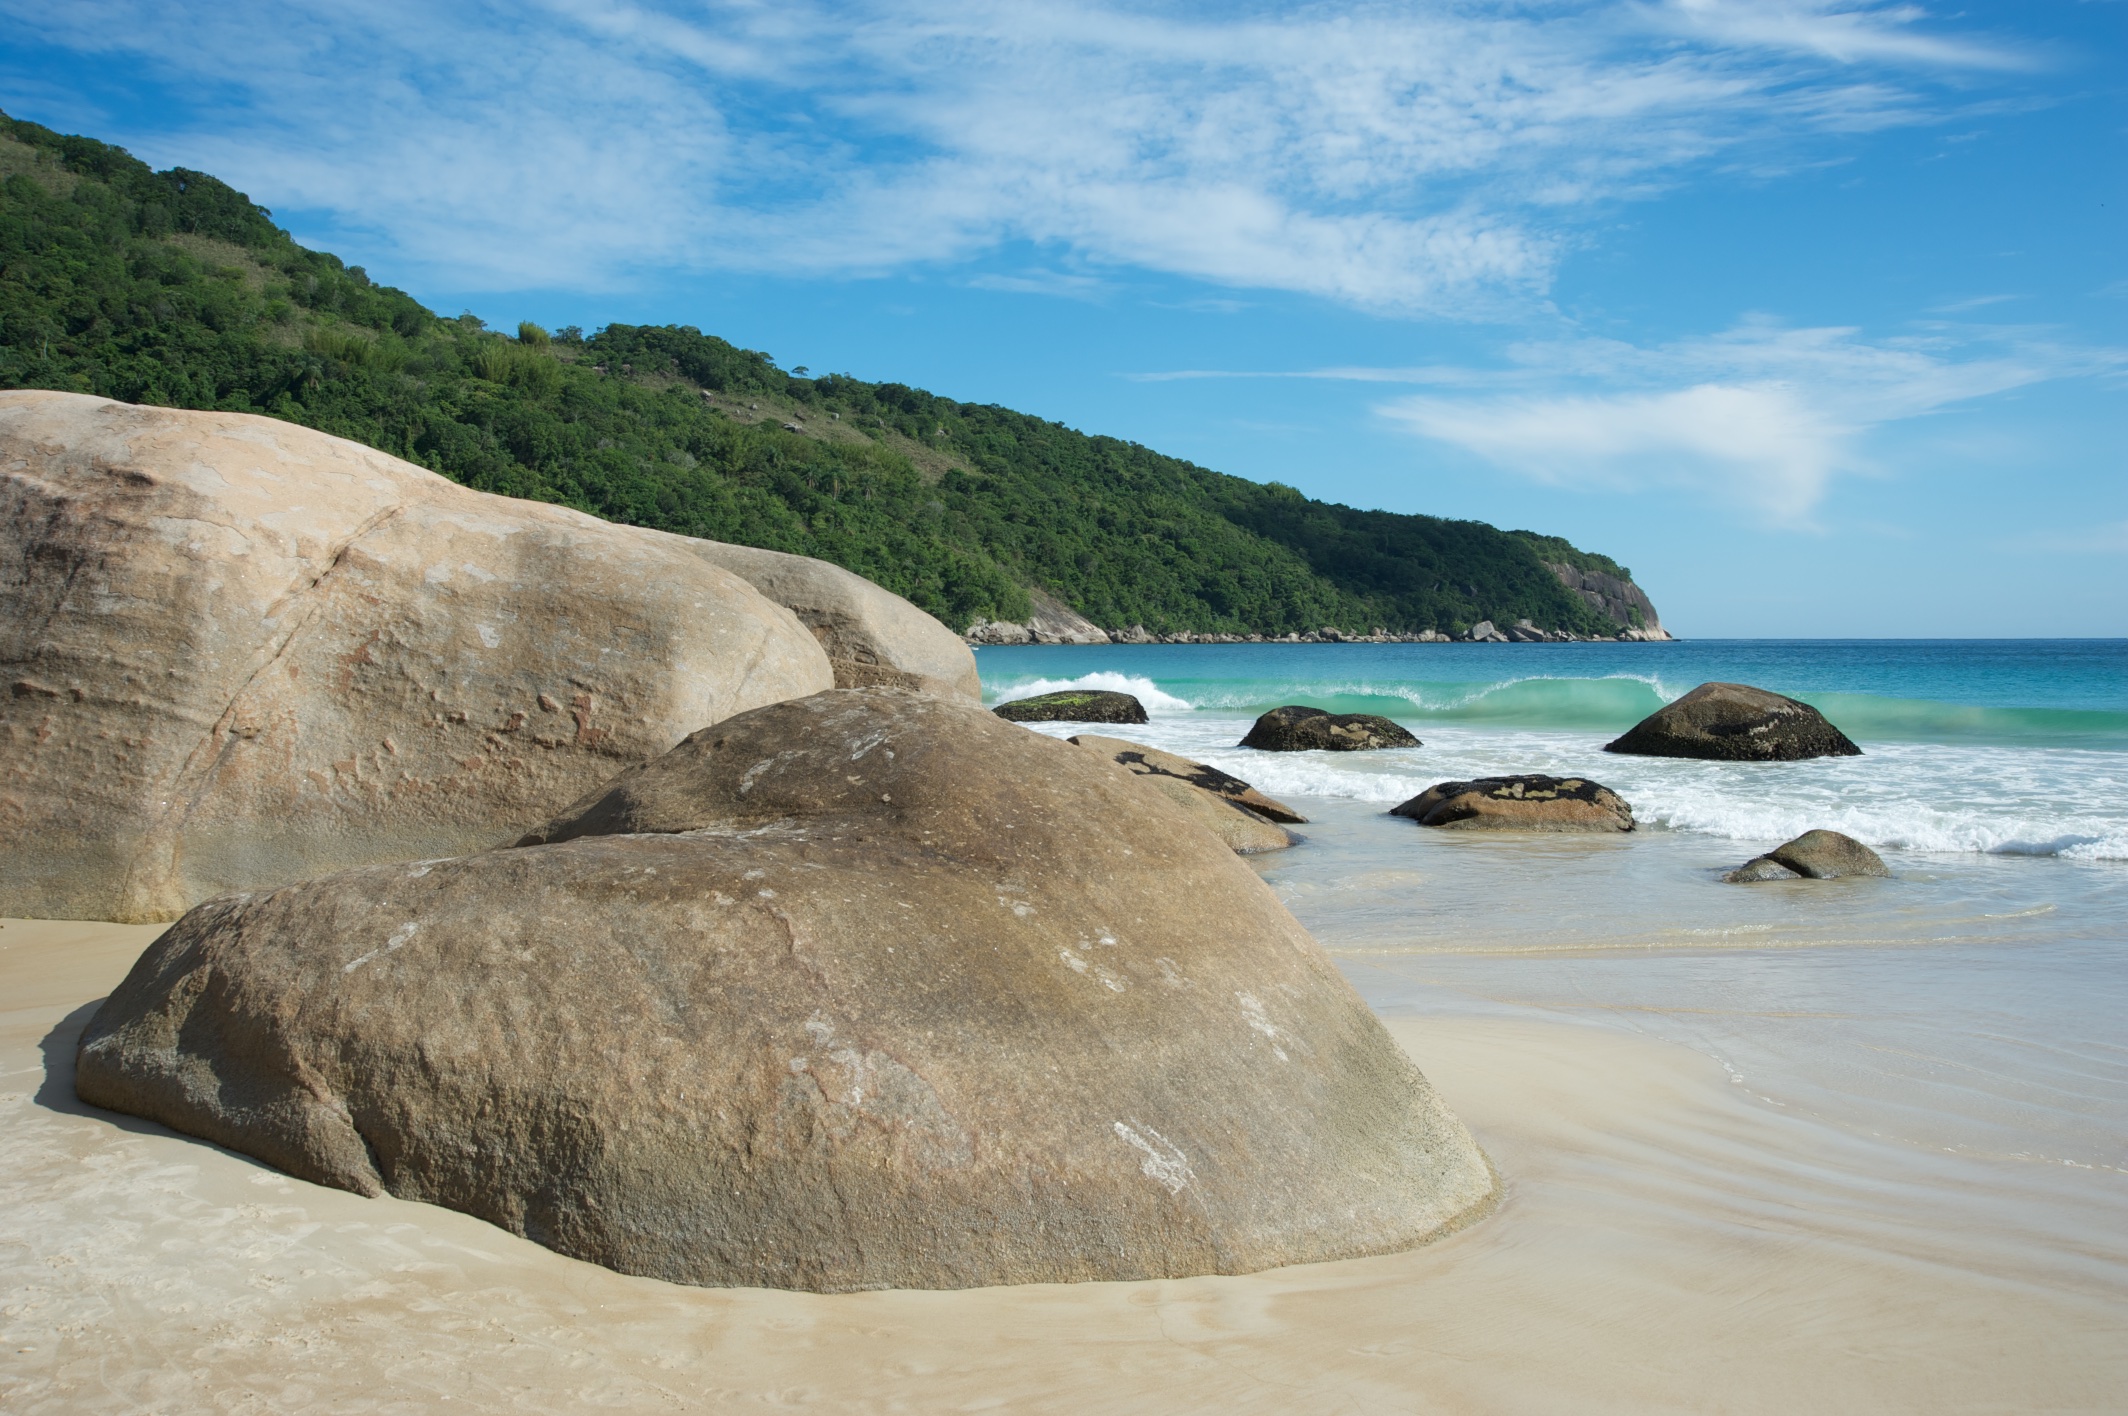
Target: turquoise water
(2015, 748)
(1968, 1010)
(2059, 693)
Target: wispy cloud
(1038, 281)
(1761, 416)
(2109, 538)
(1385, 156)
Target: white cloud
(1846, 33)
(1762, 416)
(1387, 156)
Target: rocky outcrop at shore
(1814, 855)
(1734, 722)
(1052, 622)
(1297, 728)
(985, 632)
(1238, 814)
(1074, 705)
(239, 652)
(1527, 803)
(867, 989)
(1620, 601)
(870, 635)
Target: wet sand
(1669, 1241)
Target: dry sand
(1668, 1242)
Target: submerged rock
(1527, 803)
(867, 989)
(1736, 723)
(1296, 728)
(1814, 855)
(1074, 705)
(244, 652)
(1234, 811)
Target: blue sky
(1809, 311)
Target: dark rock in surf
(1151, 761)
(1074, 705)
(1238, 814)
(1527, 803)
(867, 989)
(1295, 728)
(1814, 855)
(1733, 722)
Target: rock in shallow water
(1734, 722)
(1074, 705)
(866, 989)
(1527, 803)
(1296, 728)
(1814, 855)
(1151, 761)
(1234, 811)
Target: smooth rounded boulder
(1296, 728)
(870, 635)
(240, 652)
(1074, 705)
(1533, 802)
(1734, 722)
(870, 989)
(1814, 855)
(1234, 811)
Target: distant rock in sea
(869, 989)
(1734, 722)
(1074, 705)
(1814, 855)
(1298, 728)
(1527, 803)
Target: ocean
(1851, 1146)
(1965, 1023)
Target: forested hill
(172, 288)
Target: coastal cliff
(1620, 601)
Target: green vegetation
(171, 288)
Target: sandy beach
(1668, 1241)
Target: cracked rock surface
(235, 652)
(866, 989)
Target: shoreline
(1666, 1239)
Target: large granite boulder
(866, 989)
(237, 652)
(1295, 728)
(1734, 722)
(1534, 802)
(1230, 808)
(871, 635)
(1074, 705)
(1151, 761)
(1814, 855)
